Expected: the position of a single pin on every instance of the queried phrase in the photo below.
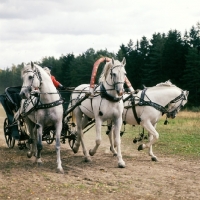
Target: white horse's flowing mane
(105, 71)
(166, 83)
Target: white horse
(105, 104)
(41, 106)
(147, 106)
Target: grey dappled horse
(41, 106)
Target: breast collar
(107, 96)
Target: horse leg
(80, 122)
(34, 147)
(153, 137)
(78, 115)
(153, 157)
(117, 128)
(98, 137)
(39, 144)
(33, 140)
(79, 140)
(58, 133)
(110, 136)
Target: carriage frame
(67, 133)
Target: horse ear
(32, 64)
(187, 93)
(113, 61)
(124, 61)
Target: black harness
(107, 96)
(158, 107)
(38, 105)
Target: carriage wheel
(72, 139)
(50, 137)
(10, 141)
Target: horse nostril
(29, 89)
(120, 93)
(22, 95)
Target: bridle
(103, 91)
(112, 77)
(181, 98)
(36, 73)
(38, 104)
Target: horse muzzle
(171, 115)
(120, 92)
(23, 95)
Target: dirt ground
(170, 178)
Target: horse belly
(86, 108)
(128, 117)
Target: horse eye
(114, 74)
(30, 77)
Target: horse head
(31, 80)
(176, 104)
(114, 75)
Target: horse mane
(105, 71)
(166, 83)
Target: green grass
(181, 136)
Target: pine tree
(191, 77)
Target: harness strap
(107, 96)
(158, 107)
(134, 111)
(43, 106)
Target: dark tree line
(148, 62)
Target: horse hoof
(120, 165)
(75, 150)
(29, 154)
(88, 159)
(60, 171)
(91, 153)
(154, 159)
(140, 147)
(39, 164)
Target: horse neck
(48, 92)
(163, 95)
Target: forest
(166, 56)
